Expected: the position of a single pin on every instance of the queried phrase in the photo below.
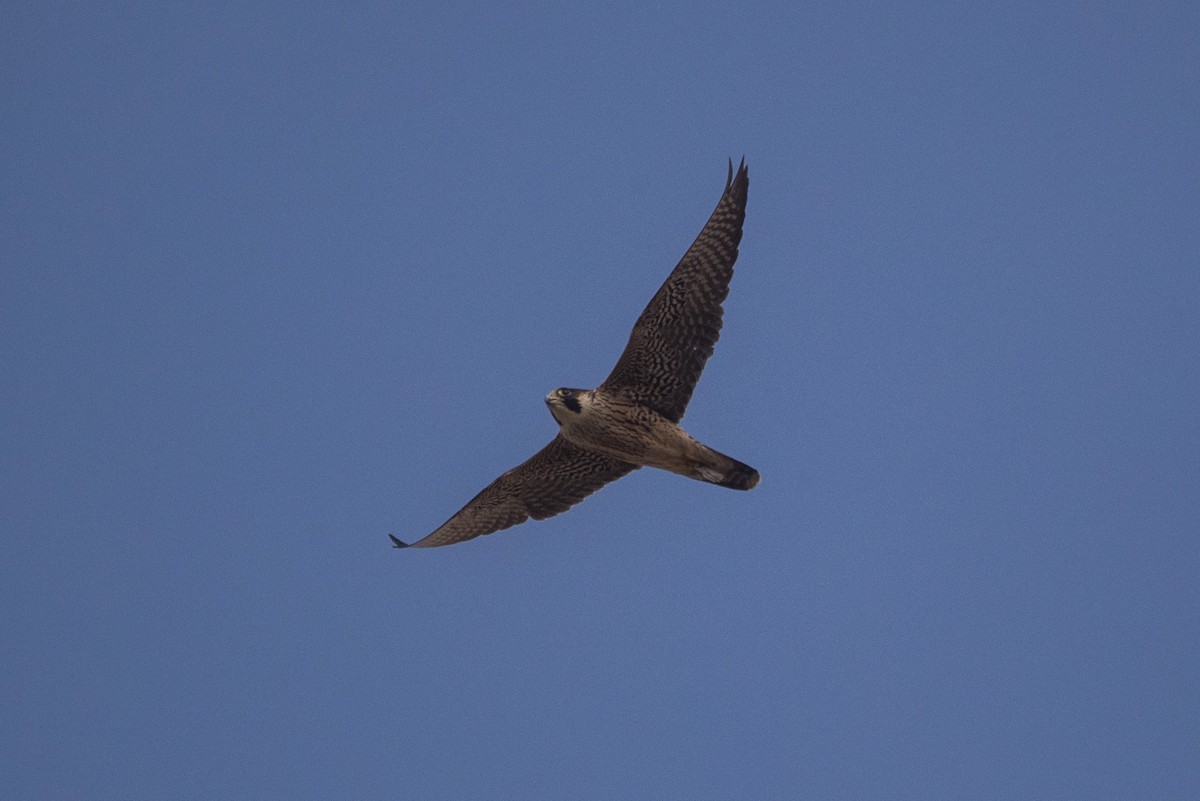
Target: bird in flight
(632, 419)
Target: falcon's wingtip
(397, 542)
(740, 171)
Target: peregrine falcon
(632, 419)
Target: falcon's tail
(740, 477)
(725, 471)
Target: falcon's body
(632, 419)
(614, 426)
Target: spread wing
(553, 480)
(675, 335)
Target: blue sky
(278, 280)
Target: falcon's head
(566, 403)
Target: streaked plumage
(632, 419)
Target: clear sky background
(280, 280)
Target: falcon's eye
(564, 393)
